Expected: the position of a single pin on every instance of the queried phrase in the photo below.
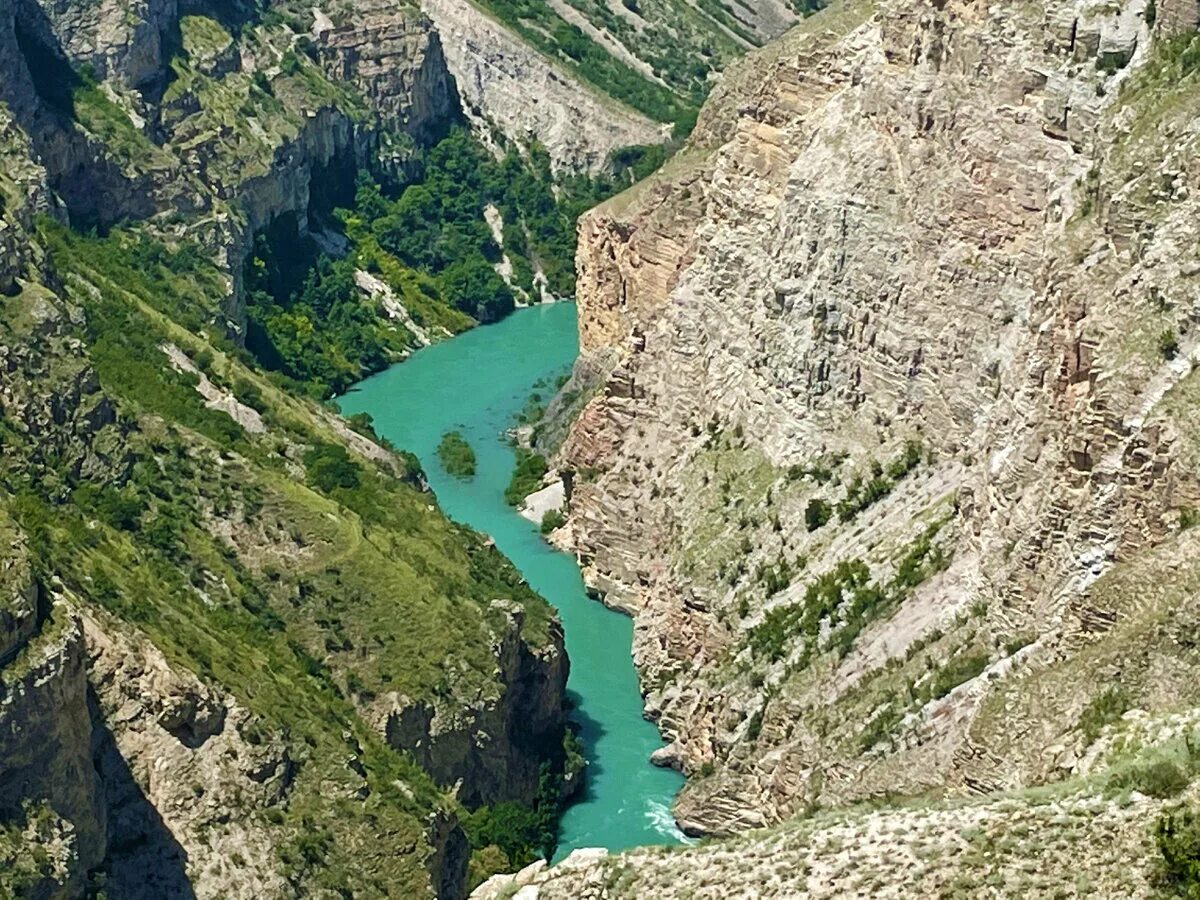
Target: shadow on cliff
(144, 860)
(41, 89)
(589, 731)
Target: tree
(817, 514)
(329, 466)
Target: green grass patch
(1102, 710)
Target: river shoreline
(477, 383)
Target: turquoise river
(478, 383)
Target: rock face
(178, 834)
(45, 730)
(504, 81)
(395, 59)
(493, 749)
(1178, 16)
(121, 39)
(924, 263)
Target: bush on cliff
(1177, 835)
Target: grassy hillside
(304, 572)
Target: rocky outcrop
(395, 59)
(45, 731)
(188, 776)
(492, 748)
(912, 222)
(50, 395)
(120, 39)
(451, 855)
(1178, 16)
(505, 82)
(1008, 847)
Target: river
(477, 383)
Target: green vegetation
(527, 476)
(456, 455)
(958, 670)
(25, 864)
(552, 520)
(1104, 709)
(816, 514)
(330, 467)
(1158, 778)
(508, 836)
(538, 24)
(1177, 835)
(680, 47)
(846, 598)
(863, 491)
(428, 242)
(1168, 344)
(326, 334)
(304, 599)
(880, 726)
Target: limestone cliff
(45, 742)
(894, 453)
(493, 748)
(507, 83)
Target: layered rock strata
(933, 266)
(504, 81)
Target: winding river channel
(478, 383)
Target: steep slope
(888, 449)
(244, 653)
(657, 56)
(507, 84)
(262, 592)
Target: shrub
(1102, 710)
(329, 466)
(1168, 344)
(817, 514)
(1160, 779)
(863, 491)
(247, 392)
(456, 455)
(519, 832)
(754, 729)
(1177, 834)
(553, 519)
(163, 533)
(526, 478)
(959, 670)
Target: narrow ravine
(477, 383)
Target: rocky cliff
(893, 456)
(193, 660)
(50, 795)
(507, 83)
(493, 749)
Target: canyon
(886, 445)
(882, 432)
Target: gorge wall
(892, 458)
(195, 710)
(510, 85)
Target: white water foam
(661, 820)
